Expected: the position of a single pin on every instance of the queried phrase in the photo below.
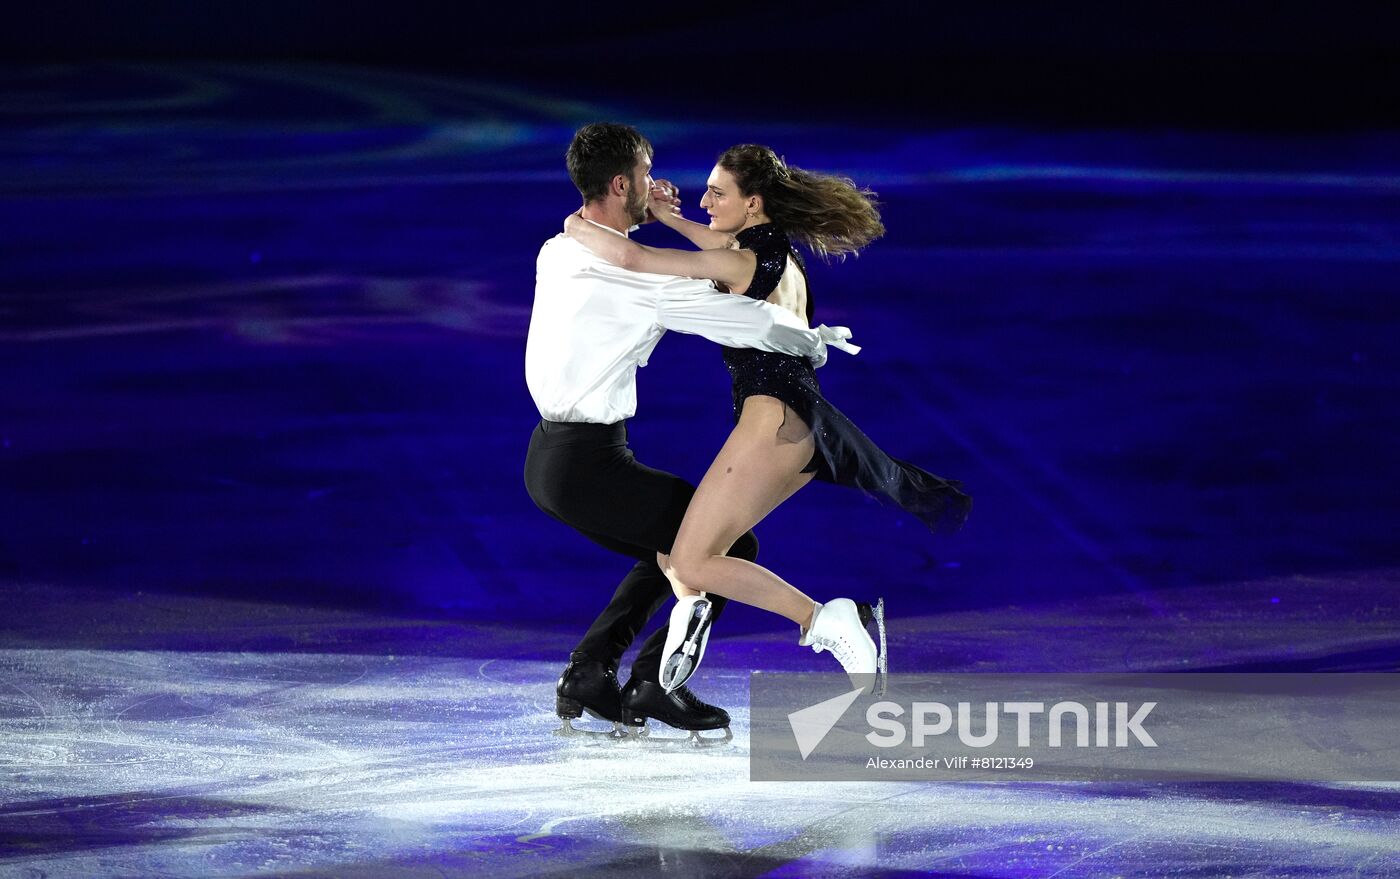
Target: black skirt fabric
(844, 455)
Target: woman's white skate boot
(839, 626)
(686, 638)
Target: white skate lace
(839, 647)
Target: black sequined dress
(844, 455)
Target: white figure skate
(840, 626)
(686, 637)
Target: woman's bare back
(791, 292)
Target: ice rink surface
(261, 338)
(303, 742)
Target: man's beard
(636, 211)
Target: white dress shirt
(593, 324)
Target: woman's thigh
(754, 472)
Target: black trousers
(585, 476)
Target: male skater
(592, 325)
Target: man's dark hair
(601, 151)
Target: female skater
(786, 432)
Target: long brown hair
(830, 215)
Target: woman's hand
(665, 202)
(572, 220)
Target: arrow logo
(810, 725)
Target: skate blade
(882, 659)
(875, 614)
(682, 664)
(693, 739)
(698, 741)
(678, 670)
(568, 731)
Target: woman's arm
(665, 207)
(733, 268)
(700, 235)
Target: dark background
(1227, 64)
(266, 270)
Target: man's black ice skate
(591, 686)
(680, 708)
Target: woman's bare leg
(753, 473)
(678, 588)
